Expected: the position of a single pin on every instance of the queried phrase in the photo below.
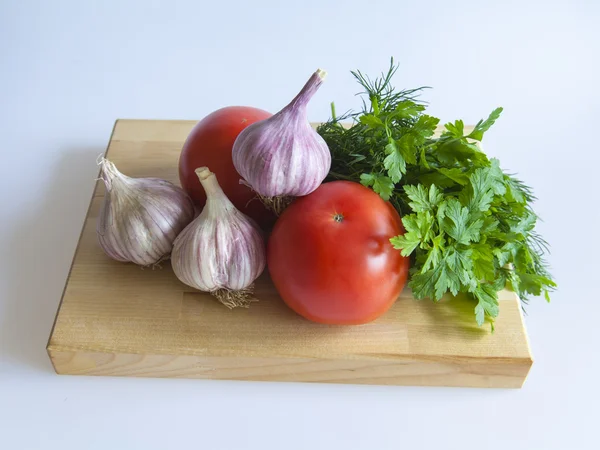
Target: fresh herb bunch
(469, 226)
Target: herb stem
(341, 176)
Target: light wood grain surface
(119, 319)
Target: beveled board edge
(450, 372)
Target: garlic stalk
(222, 251)
(140, 217)
(283, 157)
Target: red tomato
(209, 144)
(330, 257)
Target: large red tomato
(209, 144)
(330, 257)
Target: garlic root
(235, 299)
(276, 204)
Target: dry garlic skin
(140, 217)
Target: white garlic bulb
(222, 251)
(283, 156)
(140, 217)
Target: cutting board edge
(478, 373)
(77, 247)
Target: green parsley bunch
(469, 226)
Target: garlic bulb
(222, 251)
(283, 156)
(140, 217)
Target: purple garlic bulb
(140, 217)
(283, 156)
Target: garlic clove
(222, 251)
(140, 217)
(283, 157)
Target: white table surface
(68, 69)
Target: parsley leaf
(483, 262)
(456, 129)
(460, 225)
(407, 109)
(485, 182)
(371, 121)
(406, 242)
(434, 256)
(487, 302)
(425, 126)
(458, 176)
(423, 199)
(418, 230)
(381, 184)
(394, 162)
(458, 152)
(484, 125)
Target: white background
(68, 69)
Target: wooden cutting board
(120, 319)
